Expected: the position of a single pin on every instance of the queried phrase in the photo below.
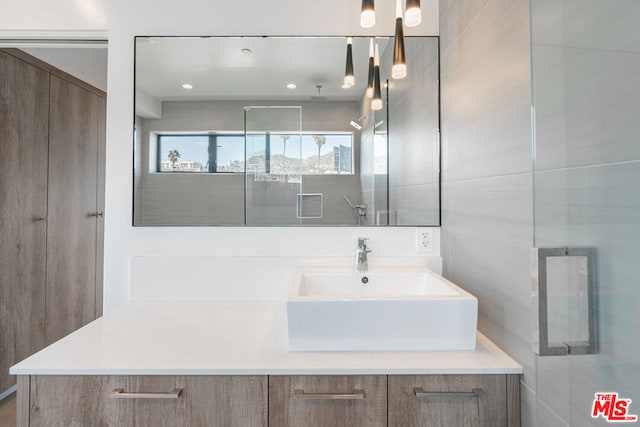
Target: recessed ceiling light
(291, 86)
(246, 51)
(187, 86)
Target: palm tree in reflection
(320, 140)
(284, 149)
(173, 155)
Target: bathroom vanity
(228, 363)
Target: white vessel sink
(391, 308)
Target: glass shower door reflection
(273, 165)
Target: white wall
(121, 21)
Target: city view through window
(272, 153)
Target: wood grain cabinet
(142, 401)
(328, 401)
(52, 142)
(453, 400)
(277, 401)
(24, 118)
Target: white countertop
(230, 338)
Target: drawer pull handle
(301, 395)
(119, 393)
(419, 392)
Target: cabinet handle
(421, 393)
(301, 395)
(98, 214)
(119, 393)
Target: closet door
(24, 111)
(75, 131)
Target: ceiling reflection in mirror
(263, 131)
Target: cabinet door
(75, 131)
(54, 401)
(212, 401)
(24, 117)
(328, 401)
(448, 400)
(227, 401)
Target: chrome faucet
(361, 256)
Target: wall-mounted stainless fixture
(362, 264)
(564, 301)
(360, 210)
(319, 97)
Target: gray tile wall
(413, 136)
(486, 172)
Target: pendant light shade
(399, 69)
(376, 102)
(367, 14)
(349, 77)
(412, 13)
(371, 71)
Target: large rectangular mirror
(261, 131)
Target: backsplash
(236, 278)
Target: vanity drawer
(162, 400)
(448, 400)
(331, 401)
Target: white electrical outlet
(424, 240)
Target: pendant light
(371, 72)
(376, 102)
(412, 13)
(349, 78)
(367, 14)
(399, 69)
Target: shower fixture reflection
(359, 210)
